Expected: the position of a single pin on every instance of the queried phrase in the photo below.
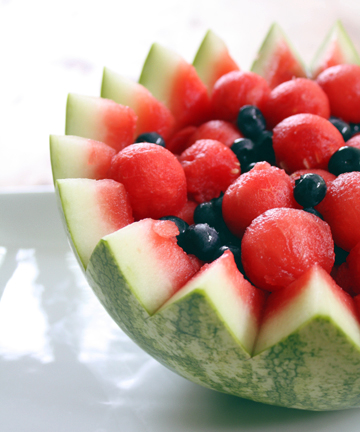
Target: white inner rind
(159, 71)
(316, 299)
(136, 256)
(84, 117)
(118, 88)
(84, 217)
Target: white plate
(65, 366)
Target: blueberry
(264, 147)
(343, 127)
(309, 190)
(250, 121)
(151, 137)
(340, 255)
(355, 128)
(210, 212)
(244, 149)
(201, 240)
(346, 159)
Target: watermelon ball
(309, 190)
(341, 83)
(281, 244)
(299, 95)
(262, 188)
(354, 141)
(151, 137)
(250, 121)
(153, 178)
(341, 209)
(180, 140)
(305, 141)
(202, 241)
(218, 130)
(236, 89)
(210, 167)
(346, 159)
(343, 127)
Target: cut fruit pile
(216, 214)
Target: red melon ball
(262, 188)
(341, 209)
(236, 89)
(341, 83)
(299, 95)
(210, 168)
(305, 141)
(282, 243)
(353, 262)
(219, 130)
(153, 178)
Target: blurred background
(48, 49)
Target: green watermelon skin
(314, 368)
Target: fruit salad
(215, 213)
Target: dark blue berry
(151, 137)
(343, 127)
(251, 121)
(346, 159)
(309, 190)
(210, 212)
(244, 149)
(355, 128)
(340, 255)
(201, 240)
(264, 147)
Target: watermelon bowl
(297, 347)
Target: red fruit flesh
(341, 209)
(296, 96)
(189, 101)
(341, 83)
(236, 89)
(218, 130)
(153, 116)
(180, 140)
(263, 188)
(305, 141)
(119, 124)
(354, 141)
(210, 167)
(153, 179)
(281, 244)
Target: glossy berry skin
(282, 243)
(250, 121)
(346, 159)
(210, 167)
(297, 96)
(309, 190)
(305, 141)
(151, 137)
(236, 89)
(343, 127)
(262, 188)
(341, 209)
(153, 178)
(202, 241)
(341, 83)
